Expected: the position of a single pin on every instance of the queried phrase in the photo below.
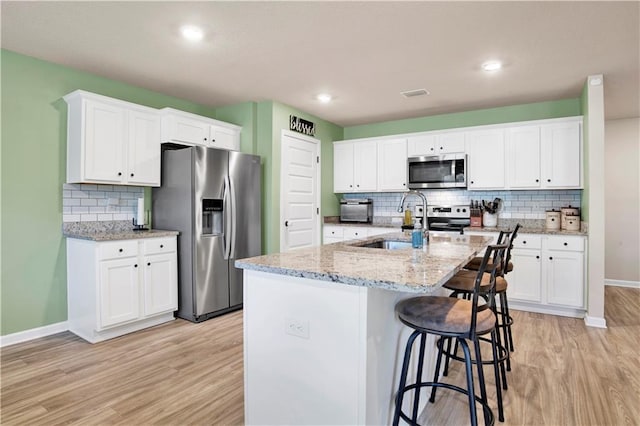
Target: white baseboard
(622, 283)
(597, 322)
(34, 333)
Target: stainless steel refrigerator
(212, 197)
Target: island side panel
(304, 351)
(386, 340)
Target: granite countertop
(410, 270)
(110, 231)
(525, 230)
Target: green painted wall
(33, 276)
(508, 114)
(244, 115)
(584, 107)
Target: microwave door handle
(453, 169)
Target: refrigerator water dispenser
(212, 216)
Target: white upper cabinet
(191, 129)
(546, 156)
(111, 141)
(435, 144)
(392, 165)
(561, 155)
(485, 161)
(355, 166)
(523, 165)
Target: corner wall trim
(595, 322)
(34, 333)
(622, 283)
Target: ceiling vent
(413, 93)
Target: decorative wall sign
(300, 125)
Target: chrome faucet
(424, 206)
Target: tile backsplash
(515, 204)
(90, 203)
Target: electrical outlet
(296, 327)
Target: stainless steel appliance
(437, 171)
(212, 197)
(448, 218)
(356, 210)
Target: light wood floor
(564, 373)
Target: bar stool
(506, 321)
(455, 318)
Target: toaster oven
(356, 210)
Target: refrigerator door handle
(232, 187)
(227, 218)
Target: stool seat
(463, 281)
(443, 315)
(474, 265)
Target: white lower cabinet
(118, 287)
(338, 233)
(548, 274)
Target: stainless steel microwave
(437, 171)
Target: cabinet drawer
(159, 245)
(333, 232)
(118, 249)
(352, 233)
(379, 231)
(527, 242)
(566, 243)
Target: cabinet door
(421, 145)
(143, 161)
(365, 166)
(392, 165)
(449, 143)
(187, 130)
(561, 159)
(224, 138)
(105, 137)
(119, 292)
(565, 277)
(354, 232)
(485, 151)
(523, 151)
(343, 167)
(525, 279)
(160, 283)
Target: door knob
(286, 223)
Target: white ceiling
(363, 53)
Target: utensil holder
(489, 220)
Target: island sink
(386, 244)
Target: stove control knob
(464, 210)
(457, 210)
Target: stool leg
(440, 345)
(496, 371)
(416, 395)
(446, 357)
(505, 328)
(471, 390)
(403, 377)
(506, 310)
(483, 387)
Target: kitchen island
(322, 344)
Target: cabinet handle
(550, 258)
(350, 186)
(358, 186)
(131, 174)
(404, 184)
(119, 173)
(431, 149)
(161, 245)
(524, 242)
(537, 257)
(148, 263)
(135, 266)
(471, 181)
(205, 139)
(537, 180)
(213, 140)
(548, 180)
(441, 148)
(120, 250)
(566, 244)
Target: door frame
(318, 144)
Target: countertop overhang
(409, 270)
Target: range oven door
(440, 171)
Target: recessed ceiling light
(324, 98)
(192, 33)
(492, 65)
(414, 92)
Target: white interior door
(299, 191)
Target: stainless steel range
(448, 218)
